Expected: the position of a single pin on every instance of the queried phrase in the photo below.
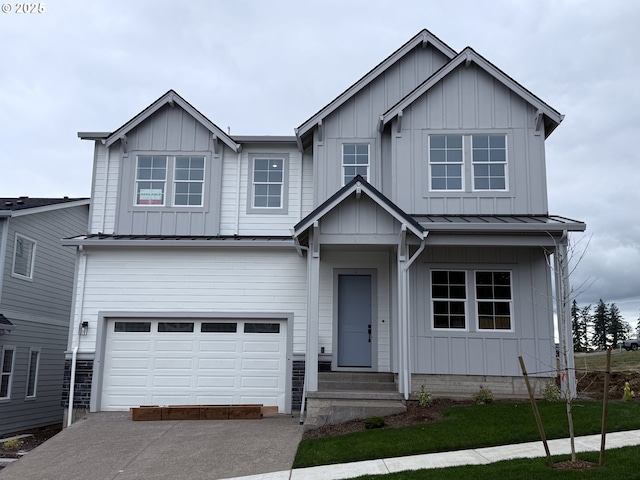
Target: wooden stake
(605, 404)
(536, 413)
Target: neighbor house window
(489, 159)
(446, 162)
(151, 179)
(268, 182)
(448, 299)
(188, 181)
(32, 372)
(355, 161)
(23, 257)
(6, 371)
(493, 300)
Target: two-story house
(403, 229)
(36, 286)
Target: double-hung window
(355, 161)
(493, 300)
(489, 158)
(446, 162)
(23, 257)
(163, 180)
(6, 371)
(32, 372)
(449, 299)
(268, 183)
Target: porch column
(563, 310)
(313, 310)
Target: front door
(354, 321)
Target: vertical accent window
(493, 298)
(355, 161)
(448, 299)
(32, 373)
(151, 179)
(6, 371)
(188, 181)
(489, 159)
(23, 257)
(446, 162)
(268, 182)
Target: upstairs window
(268, 180)
(151, 180)
(355, 161)
(446, 162)
(32, 372)
(449, 299)
(23, 257)
(6, 371)
(188, 181)
(489, 158)
(493, 298)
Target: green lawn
(471, 426)
(621, 361)
(623, 463)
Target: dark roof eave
(160, 241)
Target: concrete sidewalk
(479, 456)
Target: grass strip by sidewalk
(621, 463)
(471, 426)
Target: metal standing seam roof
(499, 222)
(187, 240)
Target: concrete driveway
(108, 445)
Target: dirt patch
(36, 437)
(577, 465)
(591, 384)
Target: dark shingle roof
(23, 203)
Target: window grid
(23, 257)
(493, 300)
(489, 159)
(446, 162)
(151, 179)
(448, 299)
(6, 372)
(268, 181)
(32, 373)
(188, 181)
(355, 161)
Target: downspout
(74, 355)
(406, 374)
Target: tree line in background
(603, 327)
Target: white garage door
(194, 362)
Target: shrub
(373, 422)
(551, 392)
(424, 397)
(483, 396)
(13, 444)
(628, 394)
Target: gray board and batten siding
(39, 309)
(170, 131)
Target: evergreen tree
(579, 328)
(586, 320)
(600, 326)
(638, 328)
(617, 327)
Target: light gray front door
(354, 321)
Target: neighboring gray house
(36, 287)
(404, 229)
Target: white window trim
(466, 300)
(510, 302)
(461, 163)
(170, 181)
(343, 165)
(165, 181)
(284, 199)
(11, 373)
(37, 370)
(505, 163)
(32, 261)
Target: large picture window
(449, 299)
(493, 300)
(355, 161)
(23, 257)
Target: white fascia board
(469, 55)
(170, 98)
(424, 37)
(49, 208)
(5, 213)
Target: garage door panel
(220, 365)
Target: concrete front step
(357, 386)
(381, 377)
(356, 381)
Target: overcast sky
(264, 67)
